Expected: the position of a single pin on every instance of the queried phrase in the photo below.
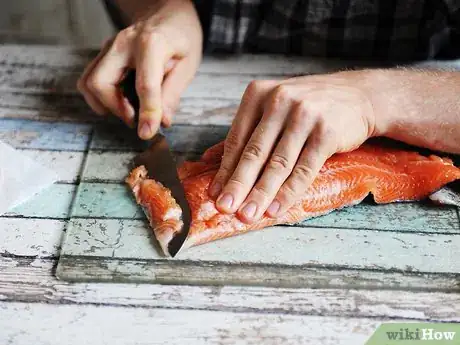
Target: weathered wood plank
(45, 107)
(107, 200)
(45, 56)
(31, 237)
(62, 81)
(104, 200)
(107, 166)
(89, 269)
(66, 164)
(25, 134)
(32, 280)
(274, 248)
(72, 57)
(53, 202)
(72, 108)
(51, 324)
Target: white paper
(21, 178)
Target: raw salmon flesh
(389, 174)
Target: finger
(313, 157)
(95, 105)
(256, 153)
(153, 53)
(244, 123)
(106, 76)
(174, 85)
(279, 166)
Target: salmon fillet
(389, 174)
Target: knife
(160, 164)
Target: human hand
(282, 135)
(164, 46)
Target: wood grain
(24, 134)
(32, 280)
(72, 108)
(124, 250)
(46, 324)
(35, 79)
(41, 114)
(31, 237)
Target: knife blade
(160, 164)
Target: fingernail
(225, 201)
(145, 131)
(249, 210)
(215, 189)
(274, 208)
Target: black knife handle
(128, 88)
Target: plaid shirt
(394, 30)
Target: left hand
(282, 134)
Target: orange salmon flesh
(389, 174)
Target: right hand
(165, 48)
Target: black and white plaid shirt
(396, 30)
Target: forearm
(420, 108)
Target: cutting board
(407, 245)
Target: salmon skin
(388, 174)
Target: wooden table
(43, 116)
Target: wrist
(383, 93)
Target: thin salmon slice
(389, 174)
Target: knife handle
(128, 88)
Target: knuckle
(281, 94)
(302, 173)
(278, 162)
(301, 115)
(287, 193)
(121, 40)
(225, 169)
(150, 36)
(303, 106)
(253, 151)
(231, 141)
(327, 137)
(324, 127)
(143, 86)
(252, 90)
(254, 86)
(95, 84)
(236, 181)
(261, 191)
